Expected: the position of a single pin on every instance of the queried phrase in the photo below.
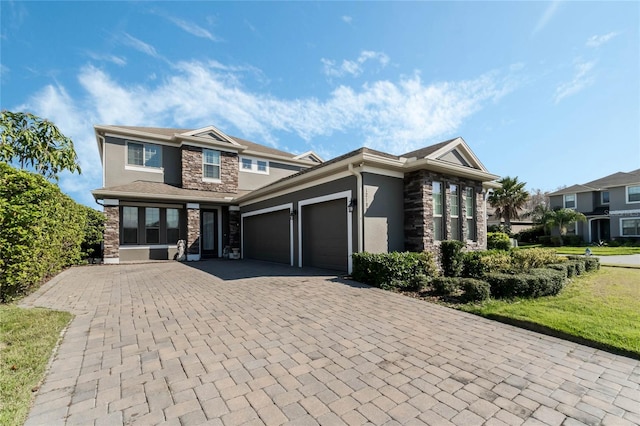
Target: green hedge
(535, 283)
(451, 258)
(41, 231)
(473, 290)
(403, 271)
(498, 241)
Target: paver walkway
(170, 343)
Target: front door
(209, 233)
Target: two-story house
(611, 205)
(219, 192)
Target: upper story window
(254, 165)
(633, 194)
(570, 201)
(211, 165)
(145, 155)
(604, 197)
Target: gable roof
(610, 181)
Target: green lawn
(599, 251)
(27, 338)
(602, 307)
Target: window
(570, 201)
(144, 155)
(129, 225)
(173, 226)
(455, 212)
(630, 227)
(253, 165)
(436, 189)
(210, 164)
(152, 225)
(633, 194)
(604, 197)
(470, 202)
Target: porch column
(111, 231)
(234, 227)
(193, 231)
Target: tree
(508, 199)
(541, 215)
(564, 217)
(34, 142)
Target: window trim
(622, 219)
(575, 201)
(142, 168)
(626, 193)
(470, 218)
(208, 179)
(254, 165)
(456, 225)
(438, 216)
(602, 197)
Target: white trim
(311, 184)
(222, 135)
(253, 166)
(622, 219)
(211, 180)
(347, 195)
(147, 246)
(144, 169)
(575, 201)
(234, 208)
(110, 202)
(381, 171)
(111, 260)
(602, 197)
(194, 206)
(127, 137)
(288, 206)
(626, 194)
(309, 154)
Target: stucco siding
(383, 213)
(248, 181)
(585, 202)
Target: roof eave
(99, 194)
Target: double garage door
(323, 233)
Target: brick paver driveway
(228, 342)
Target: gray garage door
(324, 235)
(267, 237)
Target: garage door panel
(324, 235)
(267, 237)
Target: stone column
(234, 227)
(193, 231)
(112, 231)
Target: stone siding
(418, 211)
(192, 171)
(112, 232)
(193, 231)
(234, 229)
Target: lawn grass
(601, 307)
(597, 251)
(27, 338)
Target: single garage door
(324, 235)
(267, 237)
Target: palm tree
(508, 199)
(564, 217)
(541, 215)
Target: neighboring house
(611, 205)
(517, 225)
(218, 193)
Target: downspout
(359, 203)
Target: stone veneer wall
(193, 231)
(192, 171)
(418, 208)
(234, 229)
(112, 232)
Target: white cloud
(548, 13)
(346, 19)
(354, 68)
(582, 79)
(598, 40)
(193, 29)
(140, 45)
(118, 60)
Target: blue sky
(546, 91)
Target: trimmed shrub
(523, 260)
(591, 264)
(41, 231)
(496, 261)
(451, 257)
(472, 266)
(536, 283)
(556, 241)
(403, 271)
(445, 286)
(498, 241)
(573, 241)
(578, 265)
(93, 233)
(562, 267)
(475, 290)
(545, 282)
(530, 235)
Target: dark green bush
(445, 286)
(451, 258)
(562, 267)
(535, 283)
(475, 290)
(403, 271)
(498, 241)
(93, 233)
(591, 264)
(578, 264)
(573, 241)
(472, 266)
(530, 235)
(41, 231)
(556, 241)
(545, 240)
